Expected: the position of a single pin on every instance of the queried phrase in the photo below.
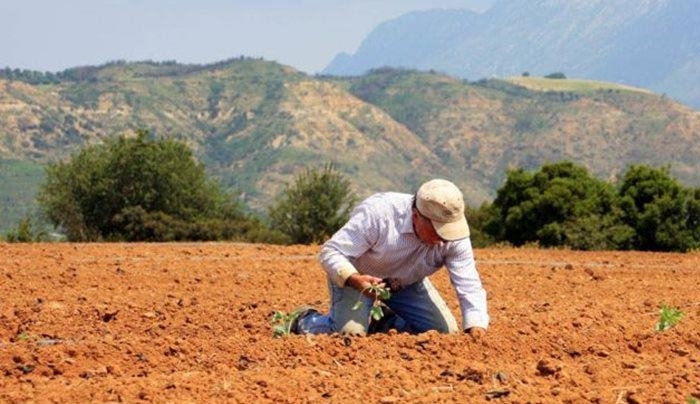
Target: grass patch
(580, 86)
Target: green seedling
(380, 293)
(693, 400)
(670, 316)
(281, 324)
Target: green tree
(140, 189)
(315, 207)
(665, 215)
(561, 205)
(478, 219)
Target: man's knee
(353, 327)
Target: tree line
(561, 205)
(146, 189)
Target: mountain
(256, 124)
(653, 44)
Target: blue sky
(52, 35)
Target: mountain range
(653, 44)
(256, 124)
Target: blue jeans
(417, 307)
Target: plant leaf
(377, 313)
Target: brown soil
(190, 323)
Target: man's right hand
(362, 283)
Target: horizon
(42, 35)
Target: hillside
(482, 129)
(256, 124)
(653, 44)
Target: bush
(315, 207)
(561, 205)
(665, 215)
(25, 232)
(141, 189)
(557, 75)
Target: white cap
(443, 203)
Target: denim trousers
(415, 308)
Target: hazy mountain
(257, 124)
(653, 44)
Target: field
(577, 85)
(190, 323)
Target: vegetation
(315, 207)
(19, 182)
(141, 189)
(557, 75)
(669, 317)
(561, 205)
(376, 312)
(578, 86)
(249, 120)
(664, 215)
(282, 324)
(27, 231)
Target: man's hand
(477, 333)
(363, 282)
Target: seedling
(670, 316)
(281, 324)
(380, 293)
(693, 400)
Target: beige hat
(443, 203)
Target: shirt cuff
(472, 319)
(343, 274)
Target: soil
(190, 323)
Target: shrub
(141, 189)
(25, 232)
(315, 207)
(668, 317)
(557, 75)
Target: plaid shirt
(379, 240)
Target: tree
(561, 205)
(315, 207)
(556, 75)
(140, 189)
(665, 215)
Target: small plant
(693, 400)
(380, 293)
(282, 324)
(670, 316)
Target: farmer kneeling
(395, 241)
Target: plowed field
(190, 323)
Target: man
(397, 240)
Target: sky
(53, 35)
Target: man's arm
(352, 240)
(467, 283)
